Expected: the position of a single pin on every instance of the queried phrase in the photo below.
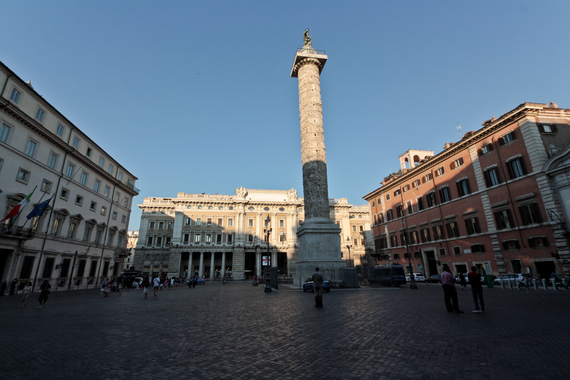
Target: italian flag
(16, 209)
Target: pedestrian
(476, 289)
(145, 285)
(318, 287)
(44, 293)
(26, 293)
(462, 281)
(194, 281)
(103, 289)
(156, 285)
(449, 292)
(13, 286)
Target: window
(397, 192)
(547, 128)
(40, 115)
(46, 186)
(114, 215)
(399, 211)
(414, 237)
(198, 222)
(93, 206)
(444, 194)
(103, 210)
(169, 226)
(230, 238)
(31, 148)
(70, 169)
(440, 172)
(530, 214)
(151, 225)
(424, 233)
(389, 214)
(208, 222)
(457, 163)
(53, 157)
(111, 169)
(431, 199)
(491, 177)
(208, 238)
(516, 168)
(159, 241)
(84, 178)
(472, 225)
(406, 188)
(409, 207)
(508, 138)
(387, 197)
(23, 176)
(463, 187)
(59, 130)
(393, 240)
(438, 232)
(72, 229)
(353, 228)
(197, 238)
(485, 149)
(149, 240)
(442, 252)
(478, 248)
(250, 222)
(15, 96)
(428, 177)
(120, 176)
(88, 152)
(75, 142)
(79, 200)
(511, 245)
(538, 242)
(107, 191)
(64, 194)
(404, 237)
(420, 203)
(186, 220)
(5, 132)
(416, 183)
(281, 223)
(452, 229)
(457, 251)
(97, 185)
(230, 222)
(503, 219)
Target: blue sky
(195, 96)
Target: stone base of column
(319, 246)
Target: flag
(16, 209)
(39, 209)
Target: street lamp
(267, 231)
(351, 264)
(410, 267)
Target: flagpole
(40, 201)
(13, 219)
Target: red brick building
(491, 200)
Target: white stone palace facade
(211, 235)
(82, 235)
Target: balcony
(17, 232)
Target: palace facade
(82, 234)
(499, 199)
(212, 235)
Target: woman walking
(44, 293)
(26, 293)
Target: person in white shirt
(156, 285)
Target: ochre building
(213, 235)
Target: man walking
(318, 287)
(156, 285)
(476, 289)
(449, 292)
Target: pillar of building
(223, 264)
(212, 257)
(201, 269)
(318, 236)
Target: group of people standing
(450, 293)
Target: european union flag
(39, 209)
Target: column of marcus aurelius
(318, 237)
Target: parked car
(457, 280)
(418, 277)
(434, 278)
(308, 285)
(199, 281)
(514, 278)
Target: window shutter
(545, 242)
(531, 243)
(452, 165)
(510, 170)
(541, 128)
(523, 166)
(501, 141)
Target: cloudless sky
(196, 96)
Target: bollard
(553, 282)
(544, 283)
(503, 284)
(509, 282)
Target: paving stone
(236, 331)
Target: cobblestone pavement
(237, 331)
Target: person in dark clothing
(13, 286)
(44, 293)
(476, 289)
(462, 281)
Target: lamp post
(410, 267)
(267, 231)
(351, 264)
